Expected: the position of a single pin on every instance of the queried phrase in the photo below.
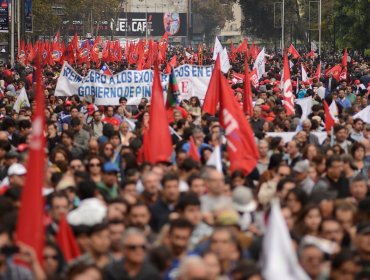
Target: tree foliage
(214, 14)
(351, 19)
(44, 20)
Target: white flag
(313, 46)
(22, 101)
(364, 114)
(306, 105)
(279, 260)
(215, 159)
(333, 109)
(224, 61)
(188, 55)
(304, 73)
(259, 64)
(217, 49)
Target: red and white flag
(343, 73)
(287, 88)
(329, 120)
(318, 72)
(304, 73)
(241, 145)
(292, 50)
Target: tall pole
(282, 28)
(320, 27)
(12, 47)
(19, 23)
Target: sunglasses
(135, 247)
(94, 164)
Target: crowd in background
(185, 219)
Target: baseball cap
(17, 169)
(109, 167)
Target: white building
(232, 29)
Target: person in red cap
(267, 114)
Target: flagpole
(319, 27)
(282, 28)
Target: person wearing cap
(108, 187)
(15, 178)
(245, 205)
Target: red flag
(31, 53)
(247, 93)
(310, 54)
(318, 72)
(336, 70)
(293, 51)
(254, 51)
(193, 150)
(287, 88)
(30, 226)
(94, 55)
(163, 44)
(243, 47)
(172, 63)
(329, 121)
(343, 74)
(241, 145)
(212, 95)
(254, 77)
(66, 240)
(160, 139)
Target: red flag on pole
(30, 226)
(212, 95)
(241, 145)
(287, 88)
(159, 134)
(247, 93)
(335, 70)
(329, 121)
(66, 240)
(243, 47)
(318, 72)
(292, 50)
(193, 150)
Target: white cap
(17, 169)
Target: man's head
(139, 215)
(358, 125)
(191, 268)
(214, 180)
(340, 133)
(362, 240)
(292, 148)
(331, 229)
(116, 229)
(179, 234)
(99, 241)
(257, 112)
(311, 259)
(334, 166)
(223, 243)
(76, 124)
(358, 187)
(109, 111)
(134, 246)
(59, 205)
(150, 182)
(306, 125)
(110, 171)
(189, 208)
(170, 188)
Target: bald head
(193, 267)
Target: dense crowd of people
(186, 219)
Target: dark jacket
(116, 271)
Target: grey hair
(132, 231)
(187, 264)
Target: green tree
(214, 14)
(44, 20)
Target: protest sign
(192, 80)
